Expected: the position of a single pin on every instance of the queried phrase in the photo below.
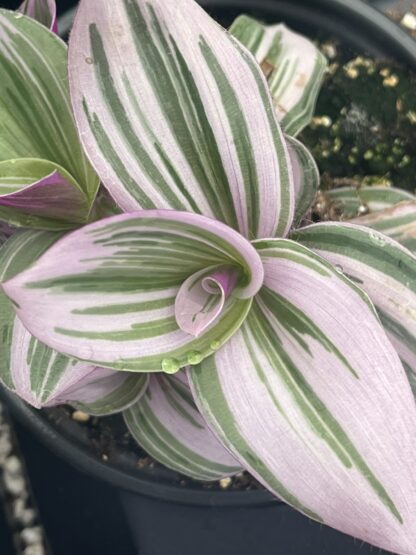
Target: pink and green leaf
(175, 113)
(398, 222)
(44, 11)
(293, 65)
(305, 177)
(167, 424)
(45, 378)
(106, 293)
(318, 407)
(353, 201)
(385, 270)
(36, 119)
(38, 193)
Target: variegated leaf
(36, 119)
(22, 249)
(167, 424)
(40, 375)
(318, 406)
(398, 222)
(43, 11)
(305, 177)
(293, 65)
(45, 378)
(353, 201)
(174, 113)
(382, 268)
(106, 293)
(38, 193)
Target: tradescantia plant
(230, 338)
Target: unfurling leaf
(106, 293)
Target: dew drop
(89, 60)
(377, 239)
(170, 365)
(339, 268)
(195, 357)
(215, 345)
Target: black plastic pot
(160, 517)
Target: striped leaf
(382, 268)
(353, 201)
(45, 378)
(43, 11)
(305, 177)
(293, 65)
(22, 249)
(174, 113)
(398, 222)
(106, 293)
(318, 407)
(36, 119)
(38, 193)
(167, 424)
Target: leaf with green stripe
(106, 293)
(167, 424)
(45, 378)
(36, 119)
(385, 270)
(174, 113)
(398, 222)
(22, 248)
(293, 65)
(38, 193)
(353, 201)
(43, 11)
(311, 398)
(305, 177)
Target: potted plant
(230, 335)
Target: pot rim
(369, 30)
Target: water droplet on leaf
(339, 268)
(377, 239)
(195, 357)
(89, 60)
(215, 345)
(170, 365)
